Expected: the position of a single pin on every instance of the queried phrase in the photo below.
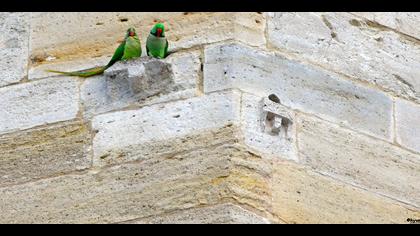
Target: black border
(209, 5)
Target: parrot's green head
(158, 30)
(131, 32)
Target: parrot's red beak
(159, 32)
(131, 33)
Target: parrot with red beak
(157, 44)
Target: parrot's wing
(166, 49)
(118, 54)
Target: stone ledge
(142, 81)
(133, 134)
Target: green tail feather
(83, 73)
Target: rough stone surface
(14, 38)
(407, 116)
(253, 123)
(123, 135)
(298, 86)
(97, 34)
(404, 22)
(122, 193)
(348, 44)
(219, 214)
(250, 182)
(43, 152)
(143, 81)
(42, 102)
(302, 196)
(357, 159)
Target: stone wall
(252, 118)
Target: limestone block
(124, 192)
(38, 103)
(43, 152)
(407, 117)
(14, 38)
(360, 160)
(302, 196)
(250, 181)
(299, 86)
(153, 130)
(353, 46)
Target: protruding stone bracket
(137, 80)
(276, 120)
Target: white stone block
(350, 45)
(14, 38)
(37, 103)
(407, 119)
(122, 132)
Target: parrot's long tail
(83, 73)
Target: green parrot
(130, 48)
(157, 44)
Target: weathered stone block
(44, 152)
(404, 22)
(219, 214)
(14, 38)
(250, 181)
(298, 86)
(37, 103)
(135, 134)
(407, 117)
(360, 160)
(350, 45)
(136, 80)
(121, 193)
(302, 196)
(143, 81)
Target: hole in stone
(274, 98)
(123, 19)
(176, 116)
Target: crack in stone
(405, 82)
(329, 26)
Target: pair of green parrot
(130, 48)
